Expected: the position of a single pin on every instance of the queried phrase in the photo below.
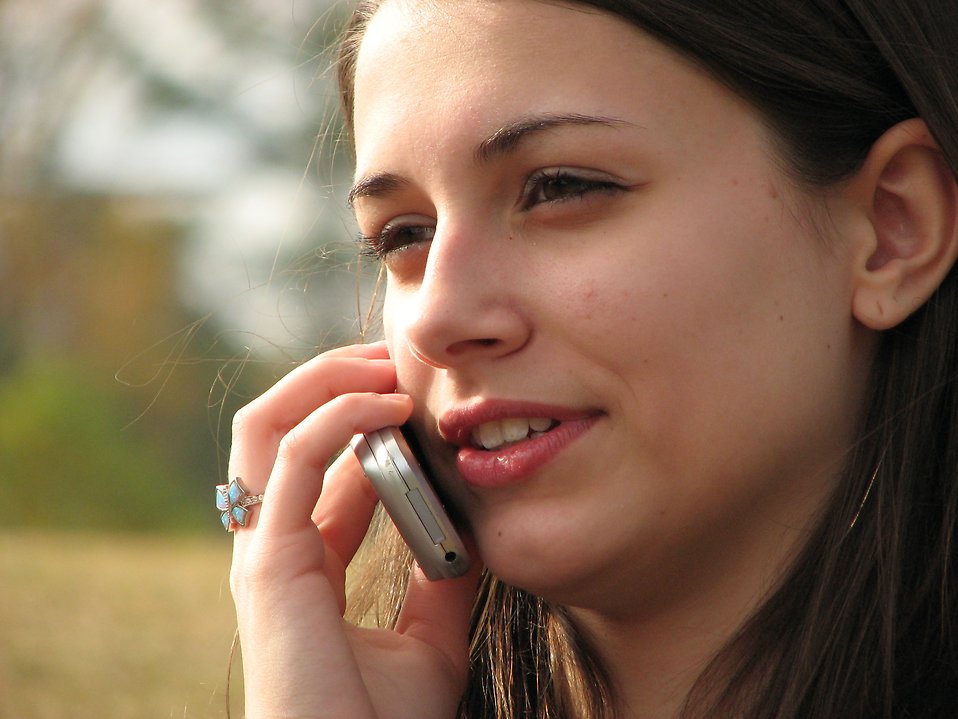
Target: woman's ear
(911, 199)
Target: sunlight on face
(581, 226)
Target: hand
(300, 658)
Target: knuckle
(240, 420)
(352, 404)
(246, 417)
(290, 446)
(296, 449)
(250, 574)
(248, 578)
(252, 420)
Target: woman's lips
(512, 462)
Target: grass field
(105, 627)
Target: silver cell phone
(411, 502)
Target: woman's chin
(554, 570)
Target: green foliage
(67, 460)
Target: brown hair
(864, 622)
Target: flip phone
(411, 502)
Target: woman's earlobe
(912, 203)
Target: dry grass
(115, 626)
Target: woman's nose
(469, 304)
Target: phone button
(425, 516)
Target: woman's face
(584, 230)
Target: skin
(694, 309)
(673, 285)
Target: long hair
(863, 624)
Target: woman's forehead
(459, 32)
(491, 64)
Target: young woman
(671, 309)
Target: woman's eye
(396, 236)
(553, 186)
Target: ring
(233, 502)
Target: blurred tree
(214, 64)
(91, 283)
(122, 124)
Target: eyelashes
(561, 185)
(549, 187)
(392, 237)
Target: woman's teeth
(497, 434)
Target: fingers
(372, 350)
(288, 569)
(259, 427)
(345, 507)
(281, 543)
(273, 420)
(296, 481)
(319, 380)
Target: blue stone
(225, 519)
(222, 501)
(235, 492)
(239, 515)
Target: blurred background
(173, 238)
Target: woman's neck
(655, 645)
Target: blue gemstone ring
(233, 502)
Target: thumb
(439, 613)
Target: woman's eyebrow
(507, 138)
(503, 141)
(375, 185)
